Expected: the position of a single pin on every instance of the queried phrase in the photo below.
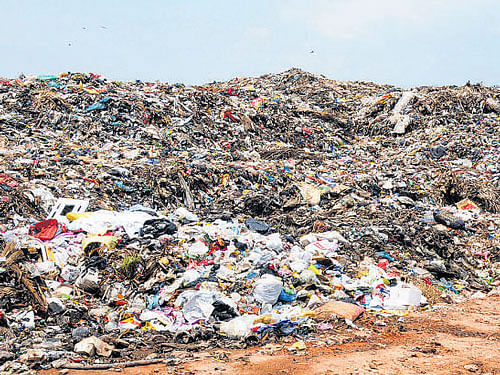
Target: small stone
(58, 363)
(80, 332)
(56, 306)
(471, 368)
(32, 355)
(93, 345)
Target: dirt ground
(453, 339)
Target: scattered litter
(150, 215)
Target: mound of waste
(138, 217)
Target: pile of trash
(140, 216)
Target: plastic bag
(273, 242)
(238, 327)
(268, 289)
(401, 297)
(198, 305)
(256, 225)
(183, 213)
(47, 229)
(197, 249)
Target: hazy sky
(403, 42)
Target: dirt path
(458, 339)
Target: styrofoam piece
(67, 205)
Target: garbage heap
(136, 216)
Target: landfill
(140, 216)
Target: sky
(402, 42)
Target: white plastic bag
(273, 242)
(198, 304)
(184, 213)
(401, 297)
(267, 289)
(322, 247)
(238, 327)
(197, 249)
(299, 259)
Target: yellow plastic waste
(77, 215)
(315, 270)
(109, 241)
(299, 345)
